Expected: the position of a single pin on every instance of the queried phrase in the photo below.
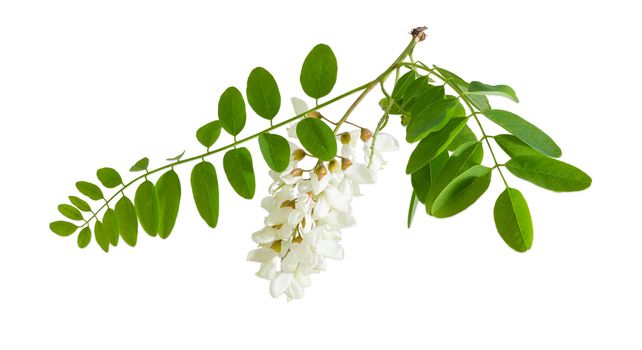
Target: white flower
(382, 143)
(306, 213)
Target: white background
(90, 84)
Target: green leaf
(422, 98)
(90, 190)
(430, 119)
(263, 93)
(109, 177)
(147, 210)
(515, 147)
(465, 136)
(319, 71)
(412, 208)
(79, 203)
(140, 165)
(422, 179)
(127, 220)
(237, 164)
(110, 226)
(84, 237)
(462, 192)
(401, 86)
(177, 158)
(524, 130)
(275, 150)
(205, 191)
(70, 212)
(513, 220)
(549, 173)
(464, 158)
(101, 237)
(394, 109)
(62, 228)
(433, 144)
(168, 188)
(479, 101)
(231, 111)
(209, 133)
(419, 95)
(478, 88)
(317, 137)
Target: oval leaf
(237, 164)
(549, 173)
(464, 158)
(479, 88)
(79, 203)
(146, 204)
(513, 220)
(127, 220)
(209, 133)
(62, 228)
(263, 93)
(514, 147)
(205, 191)
(109, 177)
(423, 178)
(168, 188)
(110, 226)
(462, 192)
(231, 111)
(401, 86)
(101, 238)
(275, 150)
(464, 136)
(430, 119)
(319, 71)
(90, 190)
(433, 144)
(70, 212)
(317, 137)
(84, 237)
(525, 131)
(140, 165)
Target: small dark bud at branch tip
(418, 33)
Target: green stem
(367, 87)
(380, 79)
(232, 145)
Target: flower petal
(279, 284)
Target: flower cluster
(308, 208)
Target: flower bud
(320, 171)
(365, 135)
(405, 119)
(345, 163)
(298, 154)
(345, 138)
(315, 115)
(296, 172)
(288, 204)
(333, 165)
